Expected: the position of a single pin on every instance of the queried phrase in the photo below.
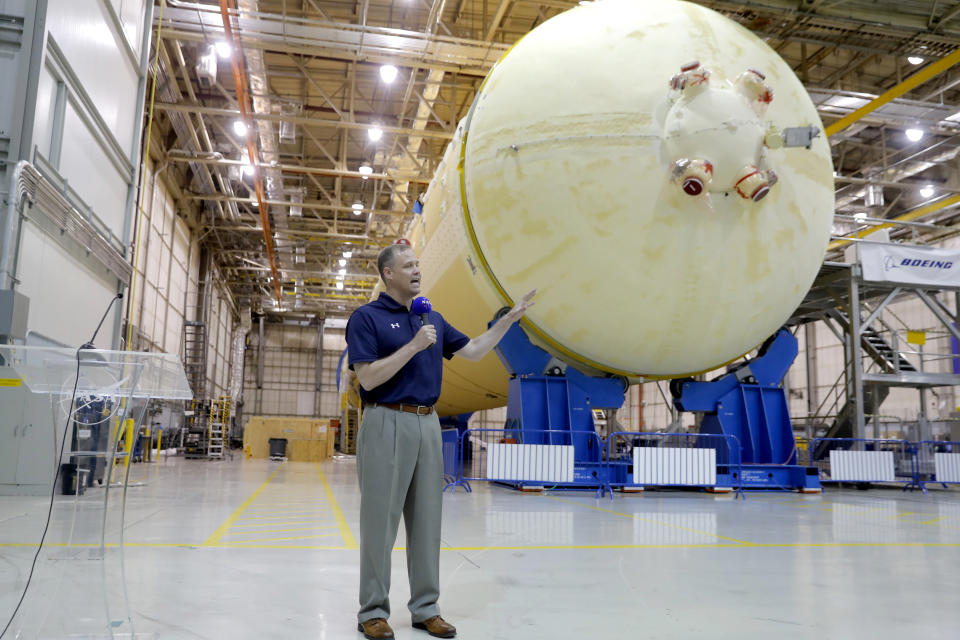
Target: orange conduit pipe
(246, 109)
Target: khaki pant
(400, 468)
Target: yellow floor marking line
(279, 524)
(654, 520)
(248, 532)
(222, 529)
(248, 518)
(348, 538)
(319, 535)
(755, 545)
(275, 512)
(935, 520)
(905, 513)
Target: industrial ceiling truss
(302, 160)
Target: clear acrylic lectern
(78, 587)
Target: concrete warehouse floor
(257, 549)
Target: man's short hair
(389, 255)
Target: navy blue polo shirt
(379, 328)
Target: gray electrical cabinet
(29, 438)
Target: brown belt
(419, 409)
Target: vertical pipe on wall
(35, 55)
(11, 229)
(318, 404)
(136, 160)
(810, 349)
(260, 356)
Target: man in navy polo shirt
(398, 361)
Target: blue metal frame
(819, 451)
(729, 467)
(550, 403)
(750, 404)
(936, 446)
(586, 475)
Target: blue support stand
(750, 404)
(551, 403)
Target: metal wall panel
(66, 297)
(88, 169)
(46, 101)
(97, 53)
(290, 372)
(130, 13)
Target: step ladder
(218, 427)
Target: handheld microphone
(422, 306)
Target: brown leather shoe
(376, 628)
(437, 627)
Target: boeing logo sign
(890, 262)
(910, 264)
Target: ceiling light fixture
(388, 73)
(342, 272)
(339, 286)
(223, 49)
(240, 127)
(343, 262)
(914, 60)
(374, 133)
(914, 135)
(927, 191)
(348, 254)
(365, 170)
(860, 217)
(357, 206)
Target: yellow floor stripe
(233, 531)
(318, 535)
(337, 513)
(255, 512)
(654, 520)
(222, 529)
(755, 545)
(932, 521)
(279, 524)
(247, 517)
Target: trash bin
(278, 447)
(70, 479)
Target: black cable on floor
(56, 465)
(53, 491)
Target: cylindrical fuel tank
(638, 163)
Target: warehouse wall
(167, 283)
(289, 371)
(76, 118)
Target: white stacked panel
(947, 467)
(534, 462)
(862, 466)
(680, 466)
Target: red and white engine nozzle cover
(691, 76)
(693, 176)
(723, 121)
(756, 183)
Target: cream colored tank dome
(628, 159)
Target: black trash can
(70, 479)
(278, 447)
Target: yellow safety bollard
(159, 439)
(128, 439)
